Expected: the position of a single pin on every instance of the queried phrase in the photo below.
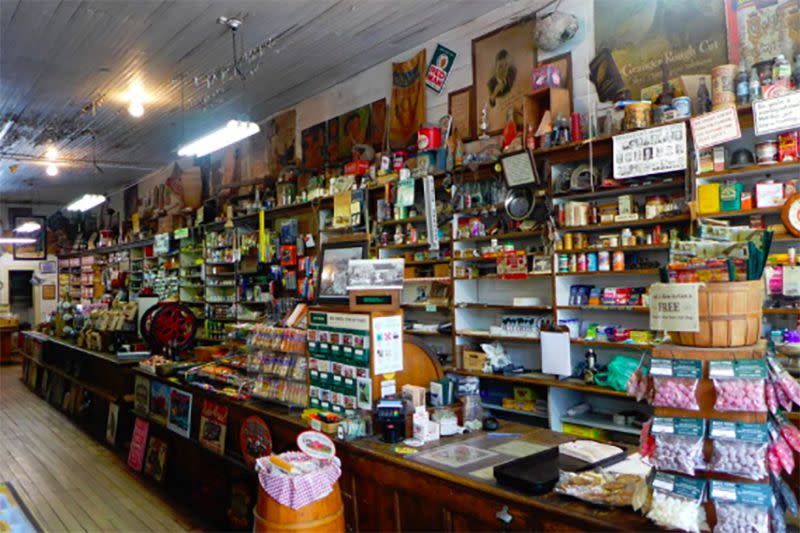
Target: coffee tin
(603, 261)
(767, 152)
(683, 106)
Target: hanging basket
(730, 315)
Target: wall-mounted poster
(641, 34)
(332, 144)
(313, 140)
(650, 151)
(502, 61)
(408, 101)
(353, 127)
(377, 124)
(760, 30)
(280, 138)
(35, 250)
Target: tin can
(581, 262)
(563, 263)
(683, 106)
(637, 115)
(659, 113)
(723, 86)
(603, 261)
(767, 152)
(591, 262)
(573, 263)
(619, 261)
(429, 137)
(788, 146)
(399, 160)
(568, 241)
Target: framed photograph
(459, 106)
(36, 250)
(332, 141)
(502, 61)
(313, 142)
(47, 267)
(48, 292)
(353, 128)
(332, 271)
(377, 124)
(564, 64)
(368, 274)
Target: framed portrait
(48, 292)
(459, 106)
(502, 61)
(353, 127)
(377, 124)
(280, 139)
(332, 144)
(313, 141)
(332, 271)
(35, 250)
(564, 64)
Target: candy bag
(739, 448)
(679, 444)
(675, 383)
(741, 507)
(739, 385)
(677, 503)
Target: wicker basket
(730, 315)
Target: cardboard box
(474, 360)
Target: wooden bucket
(322, 516)
(730, 315)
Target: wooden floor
(69, 481)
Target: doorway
(21, 295)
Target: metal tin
(603, 261)
(637, 115)
(563, 263)
(429, 137)
(568, 241)
(723, 86)
(659, 113)
(591, 262)
(619, 261)
(767, 152)
(683, 106)
(573, 263)
(581, 262)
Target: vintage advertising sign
(674, 307)
(439, 68)
(717, 127)
(650, 151)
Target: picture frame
(49, 292)
(502, 61)
(36, 250)
(47, 267)
(564, 64)
(313, 141)
(460, 107)
(332, 271)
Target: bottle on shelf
(590, 370)
(742, 86)
(755, 85)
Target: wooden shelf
(639, 272)
(408, 220)
(425, 306)
(495, 276)
(411, 245)
(427, 280)
(623, 308)
(507, 306)
(752, 170)
(635, 248)
(616, 345)
(571, 384)
(501, 236)
(427, 262)
(675, 219)
(596, 422)
(662, 185)
(495, 407)
(501, 338)
(743, 212)
(478, 209)
(780, 311)
(426, 333)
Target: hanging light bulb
(136, 108)
(52, 170)
(51, 154)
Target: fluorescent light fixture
(136, 109)
(52, 170)
(28, 227)
(51, 153)
(86, 202)
(234, 131)
(5, 129)
(17, 240)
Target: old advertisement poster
(408, 101)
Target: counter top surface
(70, 344)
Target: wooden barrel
(730, 315)
(322, 516)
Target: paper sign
(138, 444)
(341, 210)
(439, 68)
(161, 244)
(556, 353)
(387, 340)
(650, 151)
(717, 127)
(777, 114)
(388, 388)
(674, 307)
(791, 281)
(182, 233)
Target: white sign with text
(717, 127)
(777, 114)
(674, 307)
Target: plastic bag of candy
(741, 507)
(677, 503)
(739, 385)
(675, 383)
(679, 444)
(739, 448)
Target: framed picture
(47, 267)
(313, 141)
(353, 128)
(36, 250)
(332, 271)
(377, 124)
(502, 61)
(332, 144)
(564, 64)
(48, 292)
(459, 106)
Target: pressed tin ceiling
(66, 69)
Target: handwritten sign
(138, 444)
(674, 307)
(650, 151)
(715, 128)
(791, 281)
(777, 114)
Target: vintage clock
(790, 215)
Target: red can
(788, 146)
(577, 134)
(429, 137)
(400, 157)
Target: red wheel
(173, 325)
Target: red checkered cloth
(298, 491)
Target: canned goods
(591, 262)
(619, 261)
(573, 263)
(568, 241)
(580, 240)
(637, 115)
(723, 86)
(581, 262)
(767, 152)
(563, 263)
(683, 106)
(603, 261)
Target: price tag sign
(717, 127)
(791, 281)
(777, 114)
(674, 307)
(182, 233)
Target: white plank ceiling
(66, 68)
